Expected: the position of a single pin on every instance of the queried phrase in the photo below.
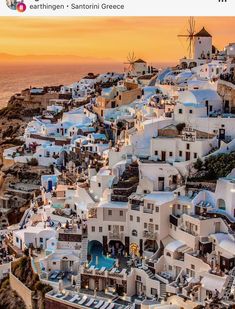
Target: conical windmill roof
(203, 33)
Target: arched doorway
(150, 245)
(116, 248)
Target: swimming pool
(98, 260)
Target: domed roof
(203, 33)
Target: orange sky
(106, 38)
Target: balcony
(149, 235)
(148, 211)
(135, 207)
(174, 220)
(116, 236)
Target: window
(188, 146)
(150, 220)
(190, 111)
(156, 153)
(154, 291)
(100, 229)
(109, 227)
(99, 184)
(17, 239)
(180, 111)
(138, 278)
(170, 153)
(156, 227)
(134, 233)
(157, 209)
(192, 266)
(121, 213)
(145, 225)
(110, 212)
(54, 263)
(211, 108)
(180, 153)
(138, 219)
(195, 155)
(131, 218)
(41, 239)
(93, 229)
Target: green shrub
(33, 162)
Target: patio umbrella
(61, 286)
(72, 280)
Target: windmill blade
(190, 32)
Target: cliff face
(22, 269)
(9, 298)
(13, 121)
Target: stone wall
(22, 291)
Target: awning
(213, 283)
(167, 240)
(184, 249)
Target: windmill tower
(199, 43)
(202, 45)
(130, 69)
(190, 37)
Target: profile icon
(16, 5)
(21, 7)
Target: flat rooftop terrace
(79, 300)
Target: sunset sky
(105, 38)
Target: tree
(198, 165)
(33, 162)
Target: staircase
(231, 282)
(150, 274)
(36, 266)
(162, 290)
(78, 281)
(127, 184)
(84, 249)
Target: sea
(16, 77)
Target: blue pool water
(98, 259)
